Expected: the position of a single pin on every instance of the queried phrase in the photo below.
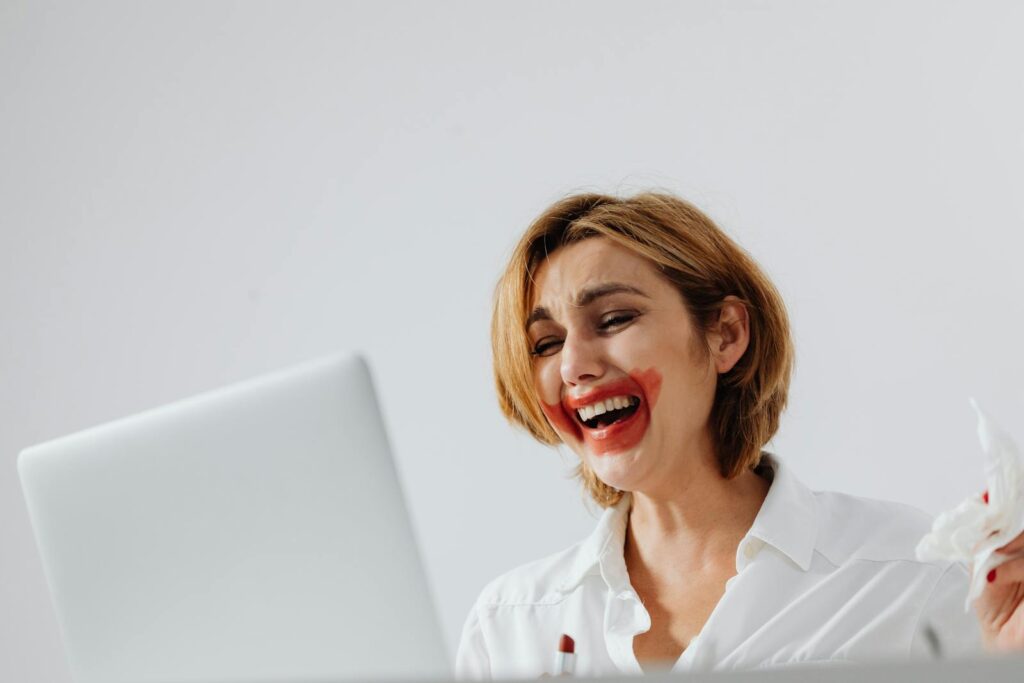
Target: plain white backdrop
(194, 193)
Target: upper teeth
(601, 407)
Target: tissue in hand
(973, 530)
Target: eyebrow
(587, 297)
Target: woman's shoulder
(520, 614)
(841, 527)
(550, 579)
(544, 581)
(858, 528)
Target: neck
(696, 517)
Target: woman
(638, 334)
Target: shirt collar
(603, 549)
(787, 521)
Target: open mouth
(607, 412)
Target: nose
(582, 360)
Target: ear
(729, 336)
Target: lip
(624, 387)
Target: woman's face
(617, 366)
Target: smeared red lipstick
(650, 380)
(560, 419)
(622, 387)
(618, 436)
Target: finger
(1013, 546)
(1007, 573)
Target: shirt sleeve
(472, 662)
(946, 627)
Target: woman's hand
(1000, 607)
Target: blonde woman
(638, 334)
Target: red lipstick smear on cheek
(560, 420)
(650, 381)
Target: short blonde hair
(705, 265)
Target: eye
(616, 319)
(546, 346)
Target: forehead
(593, 261)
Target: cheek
(547, 382)
(650, 381)
(548, 385)
(558, 418)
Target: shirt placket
(700, 654)
(624, 614)
(624, 618)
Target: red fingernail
(991, 576)
(984, 497)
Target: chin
(618, 470)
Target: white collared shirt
(820, 577)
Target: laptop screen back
(251, 533)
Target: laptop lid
(256, 532)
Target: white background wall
(194, 193)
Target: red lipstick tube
(565, 658)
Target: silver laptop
(257, 532)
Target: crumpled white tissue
(973, 530)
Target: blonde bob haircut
(705, 266)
